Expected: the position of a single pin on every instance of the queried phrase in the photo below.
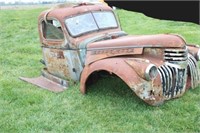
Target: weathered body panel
(63, 63)
(118, 66)
(130, 45)
(163, 40)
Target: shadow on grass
(112, 90)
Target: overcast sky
(36, 1)
(26, 1)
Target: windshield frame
(102, 29)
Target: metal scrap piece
(45, 83)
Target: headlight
(198, 55)
(151, 72)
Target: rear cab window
(52, 30)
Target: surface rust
(56, 62)
(162, 40)
(44, 83)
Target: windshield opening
(89, 22)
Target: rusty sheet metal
(61, 13)
(135, 62)
(78, 40)
(55, 43)
(145, 90)
(53, 78)
(193, 50)
(162, 40)
(56, 62)
(155, 55)
(45, 83)
(95, 55)
(63, 63)
(154, 52)
(67, 10)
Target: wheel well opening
(95, 76)
(105, 84)
(100, 81)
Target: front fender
(149, 91)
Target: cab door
(54, 47)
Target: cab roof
(63, 11)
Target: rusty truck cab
(61, 51)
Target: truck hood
(160, 40)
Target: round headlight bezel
(151, 72)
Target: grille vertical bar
(194, 71)
(173, 80)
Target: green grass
(109, 106)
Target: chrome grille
(175, 55)
(173, 80)
(179, 64)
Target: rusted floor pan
(45, 83)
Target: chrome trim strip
(167, 80)
(170, 78)
(163, 80)
(191, 73)
(176, 54)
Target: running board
(48, 81)
(45, 83)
